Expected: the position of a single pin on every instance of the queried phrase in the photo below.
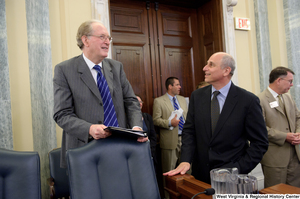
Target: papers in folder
(176, 112)
(126, 132)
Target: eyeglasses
(103, 37)
(290, 81)
(141, 102)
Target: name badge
(274, 104)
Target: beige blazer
(278, 153)
(162, 109)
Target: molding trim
(229, 32)
(100, 11)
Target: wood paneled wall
(156, 41)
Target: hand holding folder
(178, 112)
(126, 132)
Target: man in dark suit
(240, 136)
(78, 104)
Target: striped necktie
(176, 107)
(110, 118)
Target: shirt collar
(224, 91)
(273, 92)
(90, 63)
(170, 97)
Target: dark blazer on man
(151, 134)
(240, 122)
(78, 103)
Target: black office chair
(113, 167)
(19, 175)
(59, 181)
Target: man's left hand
(140, 139)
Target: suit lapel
(230, 103)
(168, 102)
(87, 78)
(181, 102)
(108, 75)
(205, 103)
(270, 99)
(287, 106)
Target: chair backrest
(59, 175)
(19, 175)
(113, 167)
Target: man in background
(170, 129)
(202, 84)
(221, 120)
(281, 163)
(92, 92)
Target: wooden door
(178, 46)
(156, 41)
(133, 46)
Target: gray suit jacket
(78, 103)
(162, 109)
(278, 154)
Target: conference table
(186, 186)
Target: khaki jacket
(162, 109)
(278, 154)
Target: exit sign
(242, 23)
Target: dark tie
(281, 104)
(176, 107)
(110, 118)
(215, 111)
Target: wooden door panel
(178, 61)
(211, 37)
(175, 24)
(156, 41)
(127, 20)
(207, 33)
(133, 61)
(130, 34)
(177, 45)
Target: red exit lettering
(243, 23)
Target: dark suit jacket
(240, 121)
(151, 134)
(78, 103)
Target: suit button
(100, 104)
(287, 129)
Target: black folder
(126, 132)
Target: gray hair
(85, 28)
(227, 60)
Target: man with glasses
(92, 92)
(280, 163)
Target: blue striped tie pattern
(176, 107)
(110, 117)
